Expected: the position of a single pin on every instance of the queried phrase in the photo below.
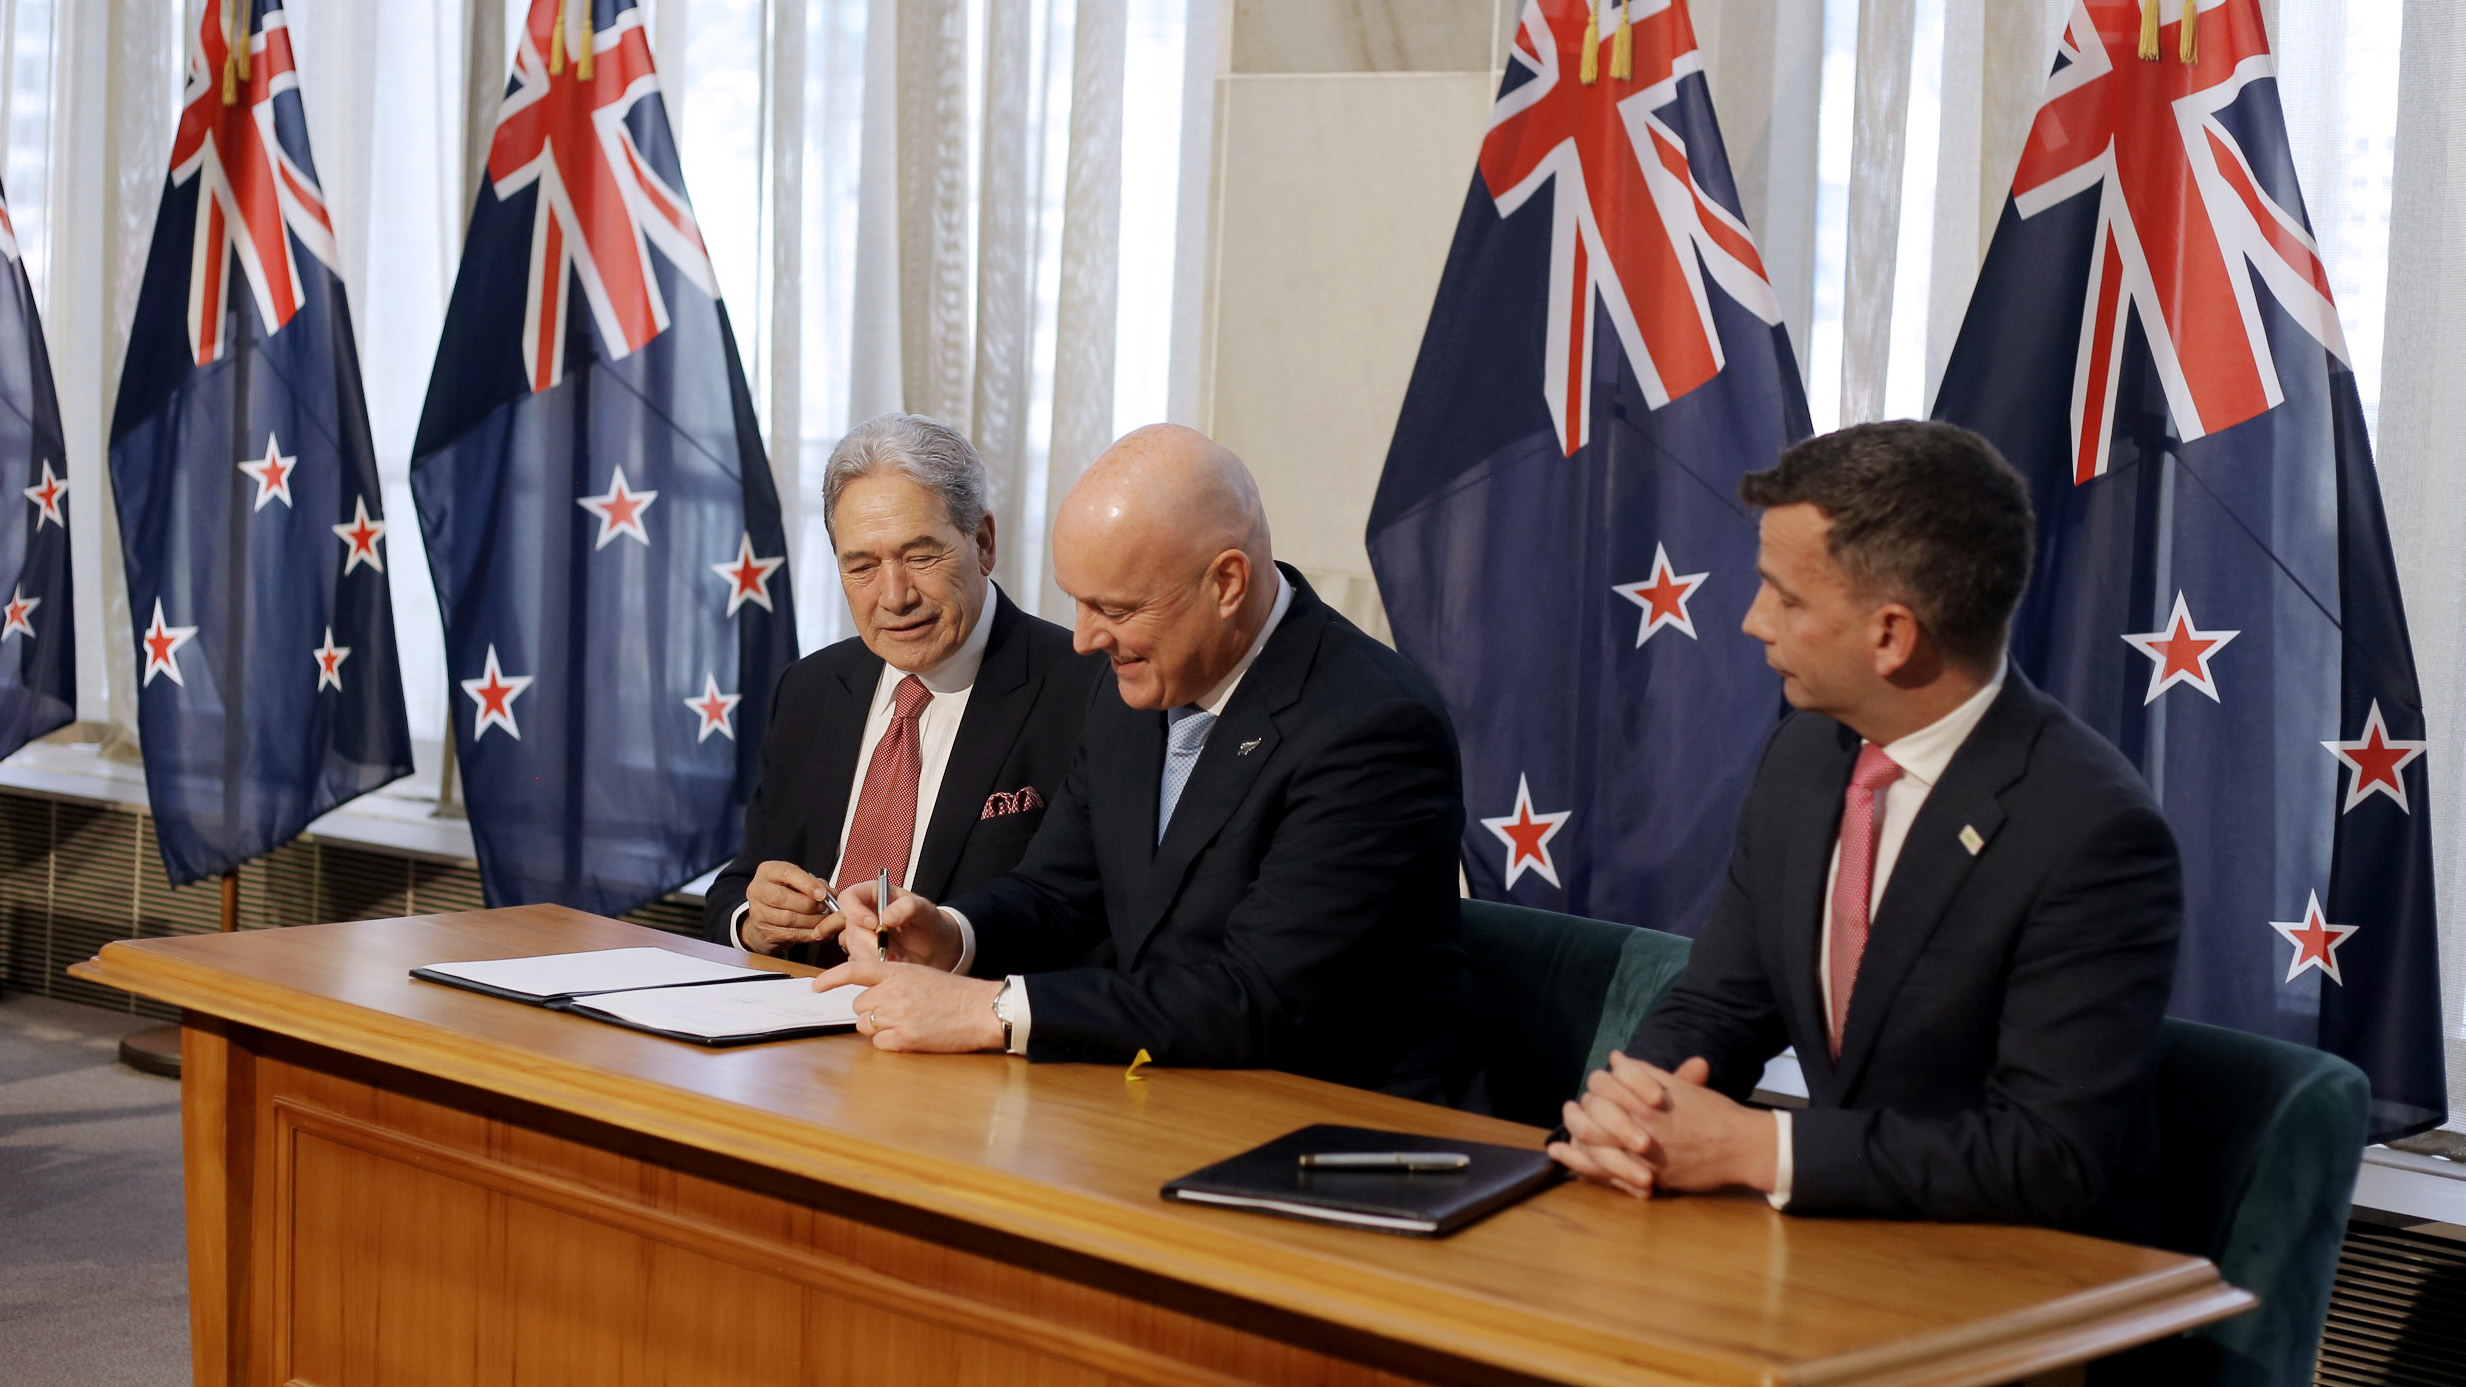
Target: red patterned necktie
(885, 825)
(1862, 814)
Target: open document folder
(665, 993)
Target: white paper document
(720, 1013)
(547, 976)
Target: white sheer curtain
(2421, 401)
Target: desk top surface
(1578, 1284)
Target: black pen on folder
(1407, 1161)
(881, 902)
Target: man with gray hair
(927, 745)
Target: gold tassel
(1589, 71)
(2187, 50)
(1622, 48)
(231, 69)
(239, 33)
(2149, 31)
(585, 41)
(556, 41)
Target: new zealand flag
(2152, 342)
(268, 689)
(1558, 535)
(38, 655)
(591, 481)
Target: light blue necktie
(1185, 732)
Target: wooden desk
(395, 1182)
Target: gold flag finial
(2187, 50)
(2149, 31)
(1588, 71)
(1622, 48)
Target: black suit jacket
(1999, 1059)
(1020, 728)
(1300, 913)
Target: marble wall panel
(1338, 197)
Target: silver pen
(881, 902)
(1407, 1161)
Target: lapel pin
(1250, 746)
(1971, 840)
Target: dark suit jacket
(2002, 1043)
(1021, 726)
(1300, 913)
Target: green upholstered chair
(1556, 993)
(2259, 1141)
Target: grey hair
(926, 451)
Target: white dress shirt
(1012, 1006)
(1922, 757)
(937, 728)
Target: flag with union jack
(1558, 535)
(601, 523)
(251, 525)
(38, 645)
(2154, 344)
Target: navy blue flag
(1558, 535)
(2153, 343)
(268, 688)
(38, 643)
(590, 476)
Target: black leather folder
(1270, 1179)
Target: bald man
(1252, 862)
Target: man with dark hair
(1955, 900)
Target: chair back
(1554, 995)
(2259, 1141)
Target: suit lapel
(1934, 863)
(1238, 749)
(998, 703)
(1804, 868)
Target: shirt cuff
(736, 925)
(1784, 1169)
(1015, 1009)
(967, 941)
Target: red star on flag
(1663, 596)
(1527, 836)
(329, 657)
(716, 710)
(2181, 653)
(162, 646)
(46, 495)
(20, 607)
(2376, 761)
(494, 692)
(749, 578)
(362, 535)
(619, 510)
(272, 474)
(2316, 941)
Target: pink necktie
(885, 825)
(1862, 813)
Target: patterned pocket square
(1006, 802)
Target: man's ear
(1231, 575)
(1898, 637)
(984, 542)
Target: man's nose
(1087, 635)
(898, 589)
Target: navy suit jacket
(1020, 729)
(1300, 913)
(2000, 1055)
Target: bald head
(1163, 547)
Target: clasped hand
(1641, 1129)
(912, 1000)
